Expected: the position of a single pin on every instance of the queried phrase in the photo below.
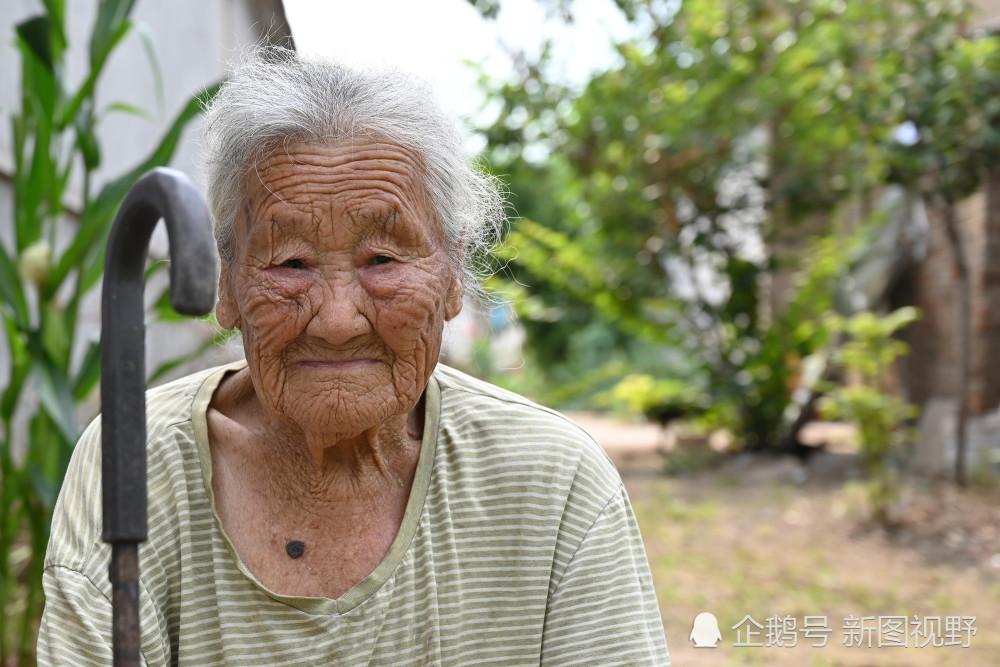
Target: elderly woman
(339, 498)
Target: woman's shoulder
(171, 410)
(484, 405)
(489, 427)
(167, 405)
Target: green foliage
(54, 132)
(661, 197)
(947, 82)
(641, 393)
(760, 361)
(868, 356)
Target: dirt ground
(779, 538)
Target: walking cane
(169, 194)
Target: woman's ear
(226, 311)
(454, 299)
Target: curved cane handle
(169, 194)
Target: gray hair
(275, 96)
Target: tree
(953, 108)
(657, 200)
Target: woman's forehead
(374, 184)
(321, 167)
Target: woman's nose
(338, 315)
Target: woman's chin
(345, 415)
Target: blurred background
(753, 249)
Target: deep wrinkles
(404, 304)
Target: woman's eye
(380, 259)
(293, 264)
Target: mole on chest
(295, 548)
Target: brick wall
(932, 368)
(986, 304)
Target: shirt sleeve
(603, 610)
(76, 622)
(75, 612)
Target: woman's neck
(315, 470)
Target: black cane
(169, 194)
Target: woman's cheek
(285, 283)
(272, 309)
(383, 283)
(414, 311)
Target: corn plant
(41, 290)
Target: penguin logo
(705, 631)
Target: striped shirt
(518, 546)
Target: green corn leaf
(11, 512)
(110, 28)
(19, 130)
(94, 225)
(86, 137)
(72, 311)
(56, 399)
(34, 185)
(86, 90)
(53, 390)
(12, 291)
(96, 219)
(94, 268)
(155, 267)
(149, 44)
(167, 366)
(170, 365)
(45, 489)
(36, 35)
(62, 181)
(111, 16)
(56, 340)
(20, 366)
(56, 11)
(89, 373)
(43, 452)
(164, 151)
(130, 109)
(164, 311)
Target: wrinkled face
(341, 284)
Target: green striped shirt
(518, 547)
